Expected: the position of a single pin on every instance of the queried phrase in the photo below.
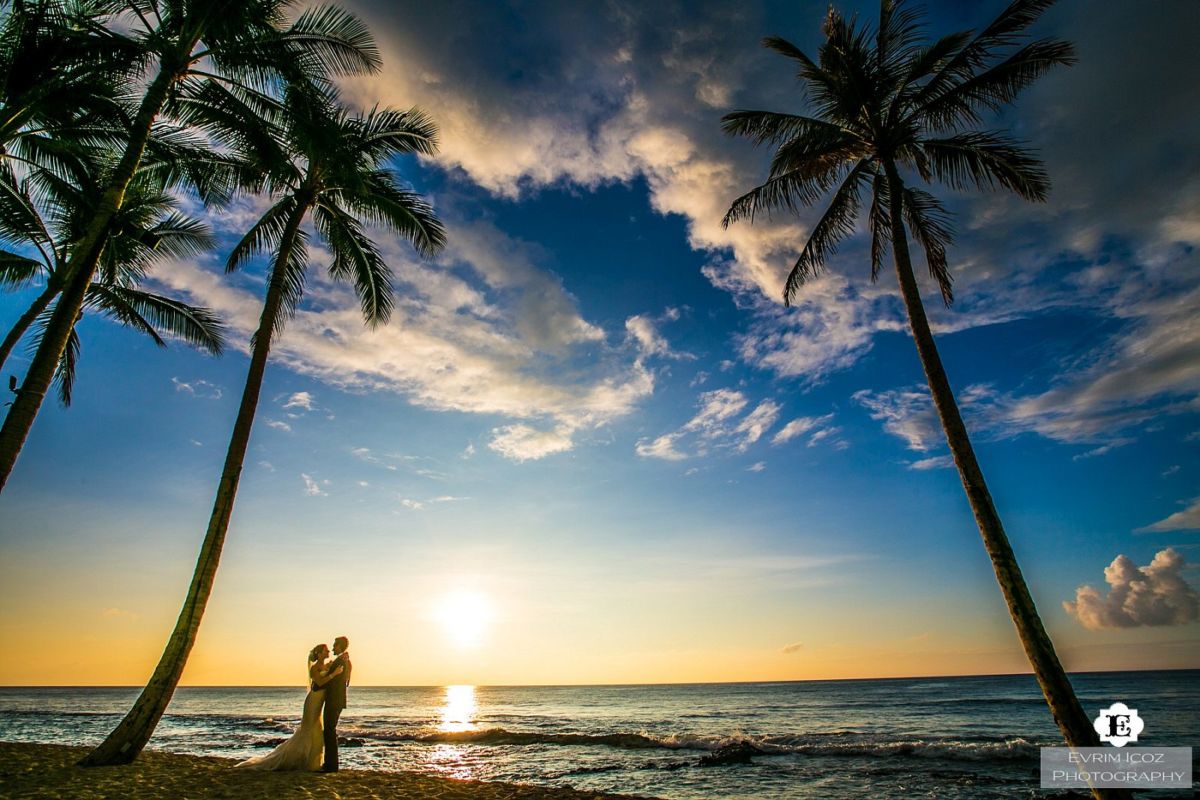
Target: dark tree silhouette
(892, 111)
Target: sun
(465, 616)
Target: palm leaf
(834, 225)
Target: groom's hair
(343, 641)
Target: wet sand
(41, 771)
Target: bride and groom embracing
(327, 681)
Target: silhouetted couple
(328, 678)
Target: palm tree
(148, 229)
(213, 59)
(891, 112)
(335, 173)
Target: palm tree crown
(333, 165)
(884, 98)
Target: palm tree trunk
(129, 737)
(22, 325)
(1051, 677)
(80, 269)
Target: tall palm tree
(890, 112)
(211, 60)
(147, 230)
(333, 171)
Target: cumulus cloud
(1153, 595)
(1186, 520)
(524, 443)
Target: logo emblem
(1119, 725)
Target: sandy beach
(29, 771)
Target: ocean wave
(840, 744)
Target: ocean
(958, 737)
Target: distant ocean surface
(974, 737)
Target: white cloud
(906, 413)
(936, 462)
(758, 466)
(414, 505)
(1186, 520)
(795, 647)
(300, 400)
(1155, 594)
(198, 388)
(799, 427)
(524, 443)
(663, 447)
(512, 350)
(279, 425)
(311, 487)
(643, 331)
(756, 423)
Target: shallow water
(975, 737)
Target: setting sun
(465, 616)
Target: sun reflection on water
(459, 709)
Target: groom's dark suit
(335, 703)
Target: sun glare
(458, 709)
(465, 616)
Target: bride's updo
(314, 654)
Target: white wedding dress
(304, 750)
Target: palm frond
(154, 314)
(985, 159)
(264, 236)
(930, 224)
(64, 374)
(386, 132)
(996, 86)
(769, 127)
(407, 213)
(355, 258)
(18, 271)
(834, 225)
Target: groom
(335, 701)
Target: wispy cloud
(1186, 520)
(198, 388)
(312, 487)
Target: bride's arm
(321, 677)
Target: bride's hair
(312, 654)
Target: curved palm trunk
(1052, 678)
(22, 325)
(80, 269)
(129, 737)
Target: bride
(303, 751)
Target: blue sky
(593, 412)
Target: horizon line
(593, 685)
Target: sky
(592, 446)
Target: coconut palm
(147, 230)
(335, 175)
(208, 62)
(892, 112)
(58, 62)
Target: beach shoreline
(46, 771)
